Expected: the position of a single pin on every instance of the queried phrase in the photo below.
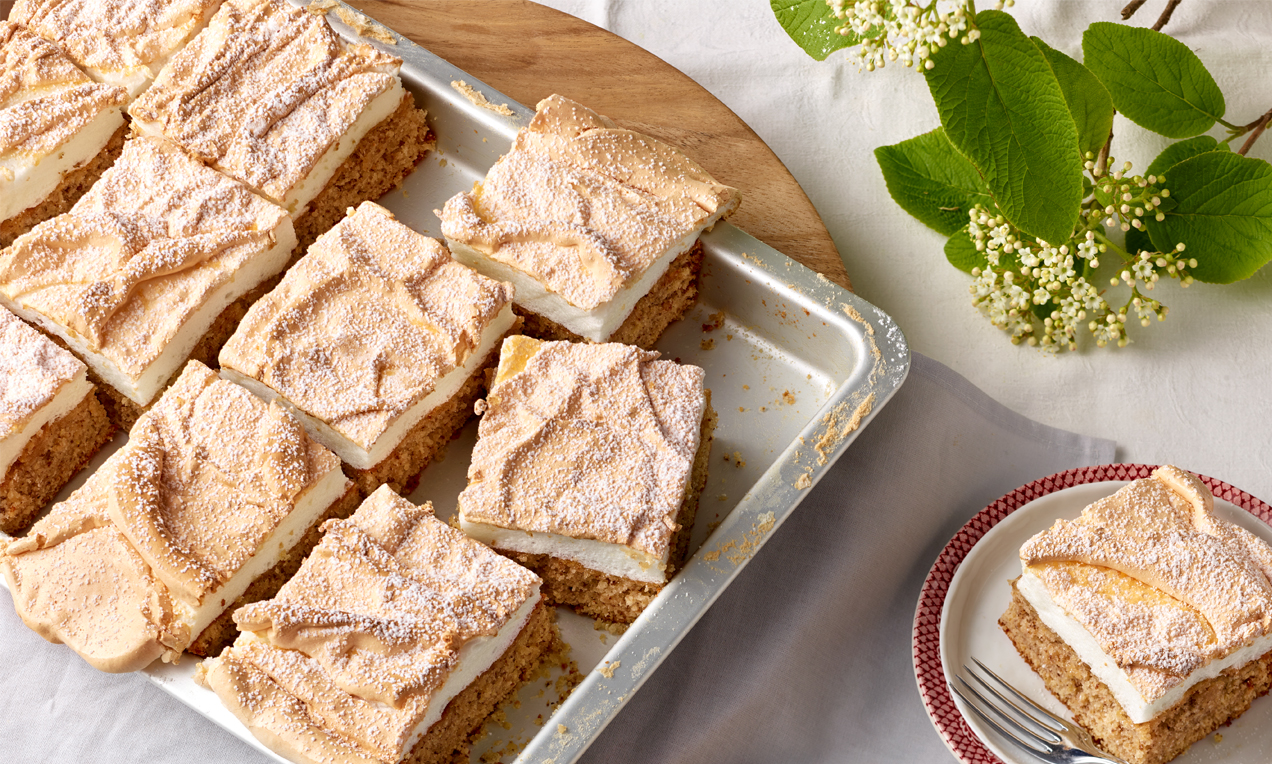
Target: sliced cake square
(394, 641)
(118, 42)
(1149, 617)
(587, 470)
(596, 226)
(271, 96)
(58, 130)
(379, 341)
(213, 491)
(51, 423)
(155, 265)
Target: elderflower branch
(906, 31)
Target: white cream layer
(596, 324)
(375, 112)
(601, 556)
(143, 389)
(34, 178)
(475, 657)
(1106, 669)
(445, 388)
(309, 506)
(64, 401)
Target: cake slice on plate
(51, 423)
(379, 342)
(587, 470)
(58, 130)
(213, 502)
(597, 227)
(394, 641)
(1147, 616)
(271, 96)
(154, 266)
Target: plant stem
(1131, 8)
(1165, 17)
(1259, 125)
(1103, 158)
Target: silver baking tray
(797, 366)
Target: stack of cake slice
(394, 641)
(155, 265)
(59, 130)
(269, 95)
(212, 503)
(587, 470)
(378, 341)
(51, 423)
(1148, 616)
(597, 227)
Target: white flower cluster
(905, 31)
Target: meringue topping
(586, 441)
(263, 93)
(122, 274)
(136, 562)
(119, 42)
(583, 206)
(343, 664)
(365, 325)
(1162, 584)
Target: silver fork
(1026, 724)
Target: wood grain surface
(529, 51)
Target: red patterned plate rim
(926, 645)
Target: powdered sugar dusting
(368, 629)
(1175, 587)
(582, 206)
(32, 370)
(588, 441)
(133, 259)
(263, 93)
(365, 324)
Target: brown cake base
(668, 300)
(615, 598)
(74, 184)
(402, 467)
(450, 736)
(1205, 708)
(124, 411)
(50, 459)
(222, 632)
(382, 160)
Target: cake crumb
(562, 729)
(320, 7)
(728, 337)
(738, 461)
(1218, 737)
(746, 387)
(607, 669)
(788, 398)
(839, 425)
(804, 481)
(480, 406)
(707, 344)
(722, 497)
(714, 321)
(477, 99)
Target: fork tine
(1028, 746)
(1056, 725)
(1036, 725)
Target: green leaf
(932, 181)
(1001, 106)
(1089, 101)
(811, 24)
(1155, 80)
(1178, 152)
(1222, 213)
(1137, 241)
(962, 254)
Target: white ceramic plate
(968, 590)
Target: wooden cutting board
(529, 52)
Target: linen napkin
(806, 657)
